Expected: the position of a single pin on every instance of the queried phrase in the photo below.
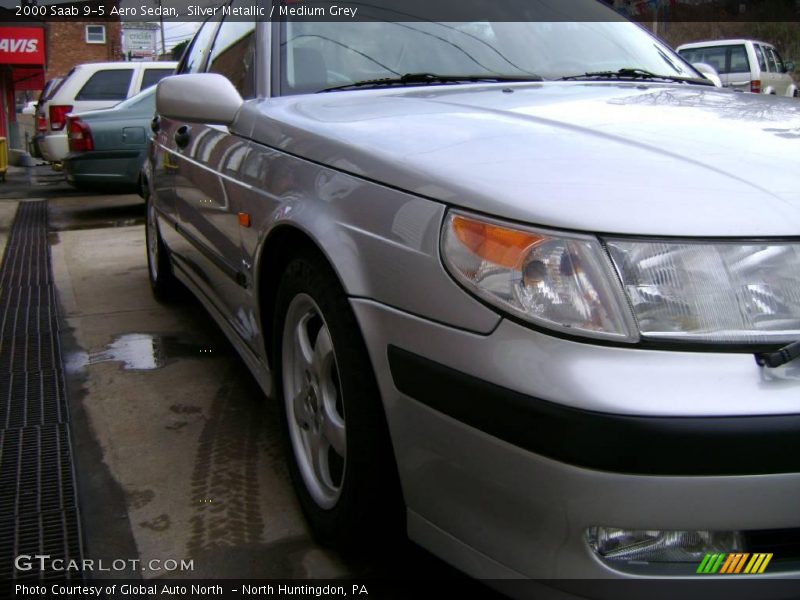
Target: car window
(61, 83)
(50, 89)
(777, 60)
(739, 63)
(111, 84)
(762, 62)
(233, 55)
(153, 76)
(770, 60)
(716, 56)
(194, 58)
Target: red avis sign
(21, 45)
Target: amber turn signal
(495, 244)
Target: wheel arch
(282, 244)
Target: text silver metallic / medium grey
(515, 285)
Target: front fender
(382, 243)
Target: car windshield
(317, 56)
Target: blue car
(108, 146)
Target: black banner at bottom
(712, 588)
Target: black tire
(368, 509)
(166, 288)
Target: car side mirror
(708, 72)
(198, 98)
(789, 66)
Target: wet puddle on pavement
(144, 352)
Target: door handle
(183, 135)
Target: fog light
(658, 546)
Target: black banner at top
(401, 10)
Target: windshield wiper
(779, 357)
(636, 74)
(428, 78)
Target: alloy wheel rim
(313, 399)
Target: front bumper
(618, 443)
(516, 442)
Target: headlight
(722, 292)
(622, 289)
(560, 281)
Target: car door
(738, 68)
(207, 156)
(165, 176)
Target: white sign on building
(140, 41)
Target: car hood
(645, 159)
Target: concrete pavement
(182, 428)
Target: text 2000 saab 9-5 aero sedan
(524, 290)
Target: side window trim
(137, 82)
(760, 57)
(209, 22)
(264, 37)
(212, 54)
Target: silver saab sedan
(526, 291)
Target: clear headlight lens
(560, 281)
(717, 292)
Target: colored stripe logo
(734, 563)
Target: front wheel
(341, 460)
(159, 268)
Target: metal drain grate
(37, 460)
(38, 506)
(31, 399)
(26, 259)
(53, 533)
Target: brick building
(74, 43)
